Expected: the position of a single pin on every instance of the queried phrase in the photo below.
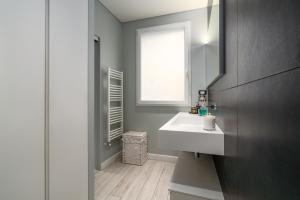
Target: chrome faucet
(212, 106)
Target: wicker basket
(135, 148)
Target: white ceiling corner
(129, 10)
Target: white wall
(68, 100)
(22, 89)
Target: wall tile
(226, 113)
(261, 149)
(269, 139)
(268, 37)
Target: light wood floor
(129, 182)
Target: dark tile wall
(226, 100)
(269, 138)
(258, 101)
(268, 37)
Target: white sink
(184, 132)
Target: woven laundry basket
(135, 147)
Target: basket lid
(135, 134)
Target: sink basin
(184, 132)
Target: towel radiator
(115, 105)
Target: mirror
(214, 47)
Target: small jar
(194, 110)
(209, 122)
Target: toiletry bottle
(202, 111)
(200, 103)
(194, 109)
(198, 109)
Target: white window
(163, 68)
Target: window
(163, 69)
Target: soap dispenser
(202, 111)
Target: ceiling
(129, 10)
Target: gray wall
(109, 29)
(151, 118)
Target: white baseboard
(151, 156)
(110, 160)
(167, 158)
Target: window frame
(187, 68)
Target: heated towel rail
(115, 105)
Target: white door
(22, 97)
(68, 100)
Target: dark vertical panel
(97, 100)
(268, 37)
(261, 148)
(226, 111)
(269, 139)
(226, 102)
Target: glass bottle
(202, 111)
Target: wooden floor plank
(104, 178)
(112, 198)
(130, 182)
(133, 191)
(162, 189)
(149, 188)
(105, 190)
(127, 180)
